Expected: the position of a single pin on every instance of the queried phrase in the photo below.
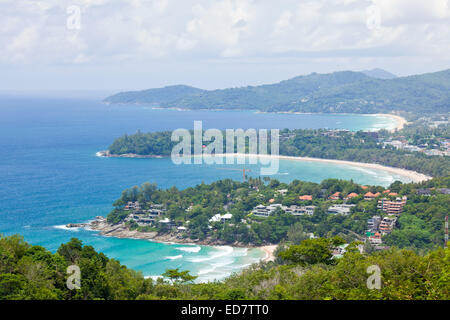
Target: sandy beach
(269, 251)
(412, 175)
(401, 122)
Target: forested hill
(338, 92)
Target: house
(351, 195)
(339, 251)
(341, 209)
(283, 192)
(265, 211)
(387, 224)
(271, 200)
(132, 206)
(375, 238)
(221, 218)
(424, 192)
(444, 190)
(306, 197)
(154, 212)
(300, 210)
(394, 207)
(335, 196)
(370, 196)
(167, 222)
(373, 223)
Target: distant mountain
(379, 74)
(155, 96)
(338, 92)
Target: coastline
(269, 251)
(401, 122)
(120, 231)
(414, 176)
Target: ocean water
(50, 174)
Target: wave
(64, 227)
(222, 251)
(174, 257)
(190, 249)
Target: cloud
(135, 31)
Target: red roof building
(305, 197)
(335, 196)
(369, 196)
(351, 195)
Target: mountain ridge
(337, 92)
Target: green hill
(338, 92)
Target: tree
(177, 276)
(312, 251)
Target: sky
(113, 45)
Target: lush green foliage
(359, 146)
(340, 92)
(31, 272)
(420, 226)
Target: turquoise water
(50, 175)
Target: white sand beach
(269, 250)
(401, 122)
(411, 175)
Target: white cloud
(134, 31)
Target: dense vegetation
(302, 271)
(339, 92)
(359, 146)
(420, 226)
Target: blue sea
(50, 174)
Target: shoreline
(119, 231)
(401, 122)
(414, 176)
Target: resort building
(283, 192)
(394, 207)
(424, 192)
(335, 196)
(351, 195)
(221, 217)
(265, 211)
(133, 206)
(370, 196)
(375, 238)
(167, 222)
(341, 209)
(300, 210)
(373, 223)
(387, 224)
